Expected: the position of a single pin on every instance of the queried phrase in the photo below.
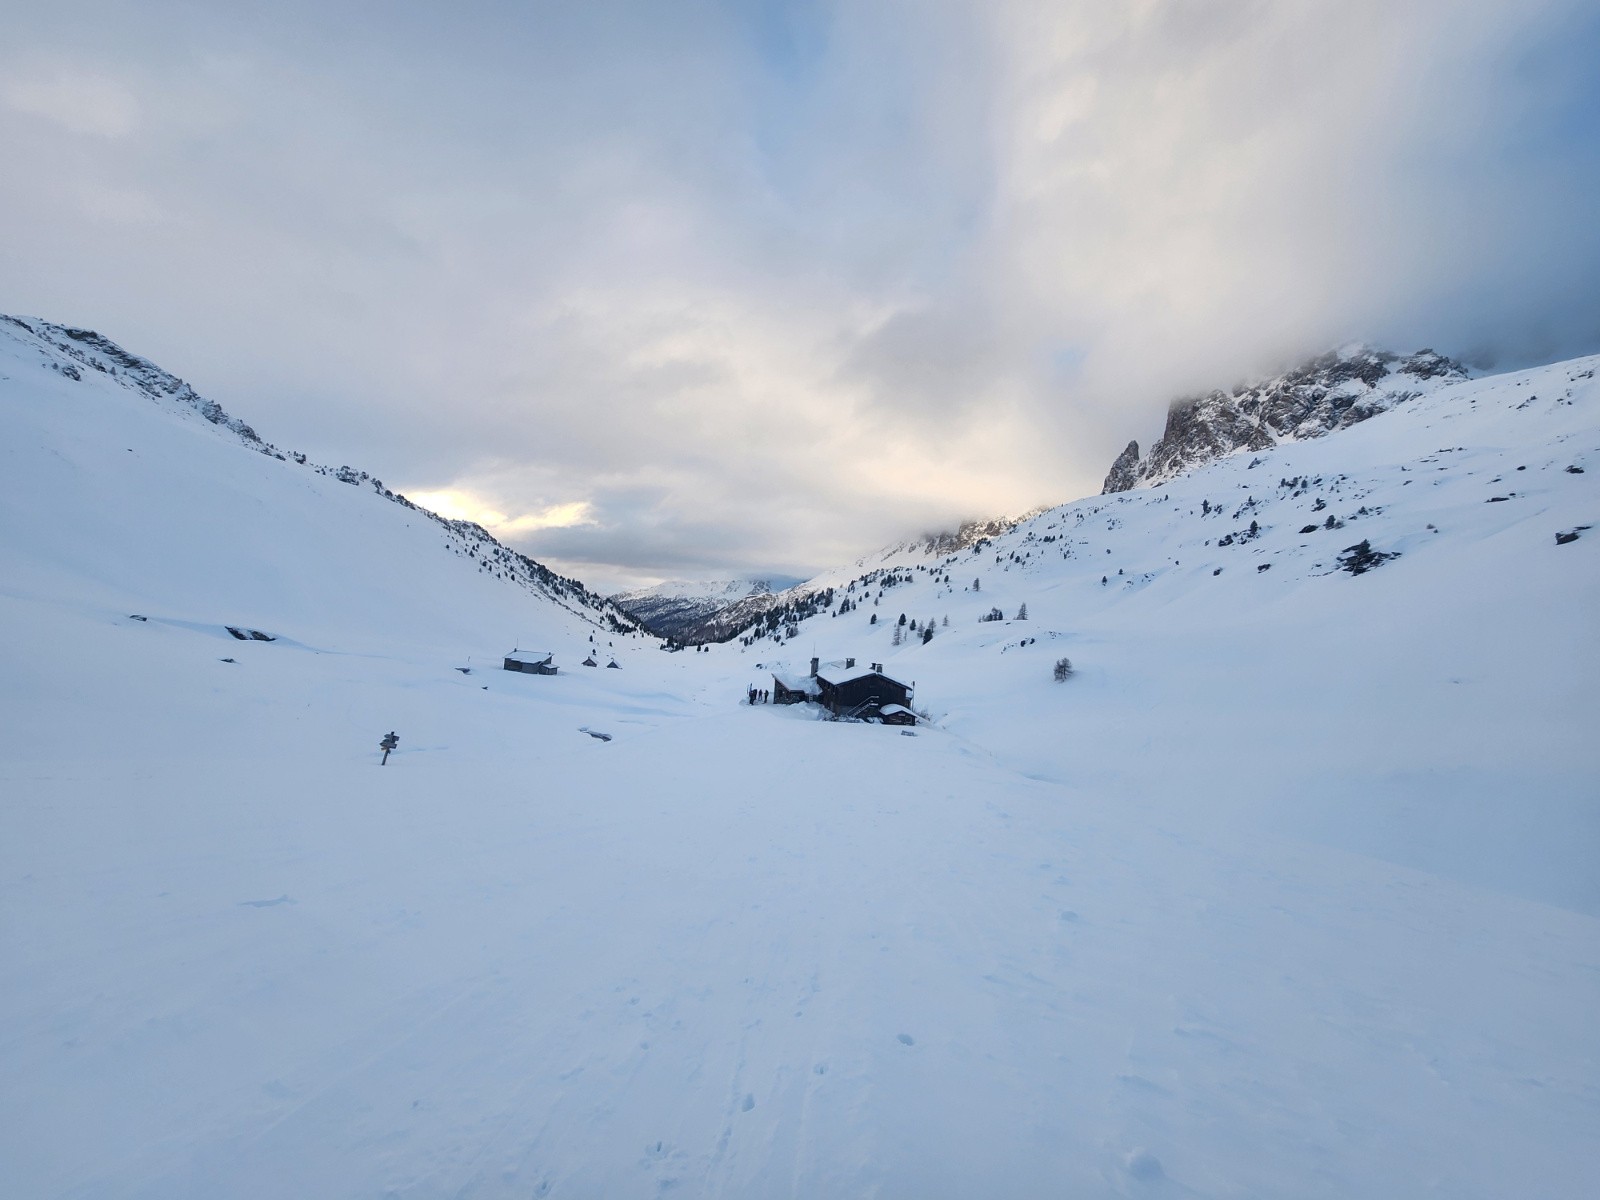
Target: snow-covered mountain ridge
(84, 356)
(773, 609)
(1258, 512)
(1331, 392)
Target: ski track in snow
(1289, 891)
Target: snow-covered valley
(680, 607)
(1289, 890)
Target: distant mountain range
(678, 608)
(1329, 393)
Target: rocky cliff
(1333, 391)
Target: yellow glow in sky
(460, 505)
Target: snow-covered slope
(1288, 891)
(1331, 392)
(1477, 640)
(74, 387)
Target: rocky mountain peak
(1124, 473)
(1332, 391)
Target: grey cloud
(934, 360)
(768, 286)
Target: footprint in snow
(283, 899)
(907, 1040)
(749, 1102)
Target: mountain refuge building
(531, 662)
(847, 692)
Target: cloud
(460, 505)
(760, 287)
(78, 101)
(1226, 185)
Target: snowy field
(1289, 892)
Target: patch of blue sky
(1067, 359)
(1562, 87)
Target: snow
(795, 681)
(1288, 891)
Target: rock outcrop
(1333, 391)
(1124, 473)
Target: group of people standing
(759, 695)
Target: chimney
(813, 667)
(848, 663)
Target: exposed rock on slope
(74, 349)
(1124, 473)
(948, 542)
(1331, 392)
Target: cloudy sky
(684, 289)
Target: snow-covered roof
(838, 676)
(795, 681)
(529, 656)
(890, 710)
